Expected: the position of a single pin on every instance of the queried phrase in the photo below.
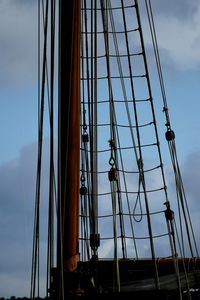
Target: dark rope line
(120, 101)
(130, 237)
(125, 214)
(89, 95)
(34, 247)
(35, 255)
(157, 57)
(115, 32)
(52, 186)
(132, 193)
(103, 56)
(84, 150)
(113, 128)
(183, 262)
(92, 220)
(122, 125)
(112, 8)
(151, 97)
(125, 55)
(125, 171)
(115, 77)
(182, 197)
(126, 148)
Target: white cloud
(180, 39)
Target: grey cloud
(17, 192)
(18, 38)
(18, 42)
(191, 176)
(25, 2)
(183, 9)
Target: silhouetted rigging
(118, 230)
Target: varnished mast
(69, 134)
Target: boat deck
(97, 279)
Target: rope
(89, 111)
(120, 96)
(183, 262)
(85, 199)
(172, 239)
(35, 274)
(112, 116)
(138, 200)
(172, 148)
(125, 200)
(52, 186)
(114, 125)
(171, 141)
(138, 136)
(116, 273)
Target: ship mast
(69, 134)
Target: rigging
(122, 180)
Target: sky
(178, 32)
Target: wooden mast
(69, 134)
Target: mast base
(71, 264)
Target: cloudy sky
(178, 31)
